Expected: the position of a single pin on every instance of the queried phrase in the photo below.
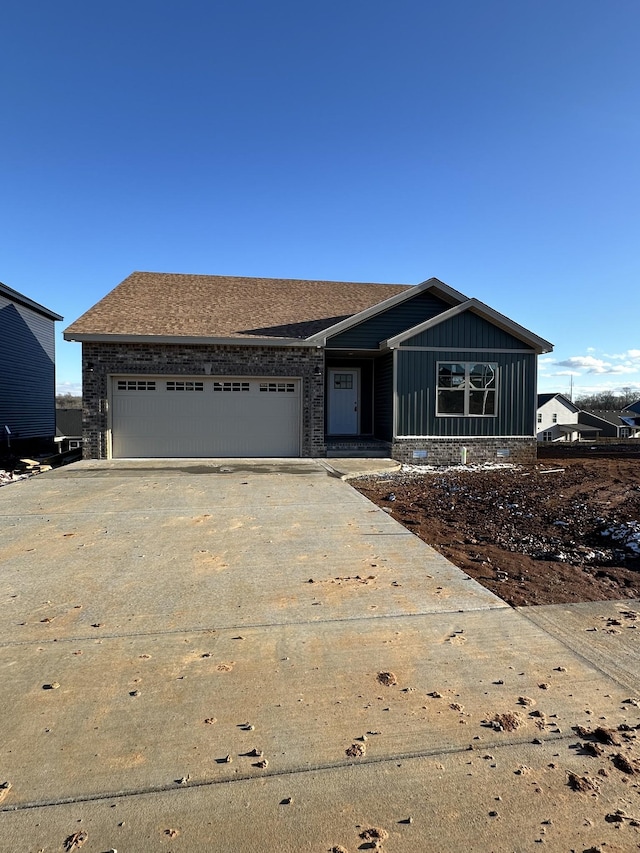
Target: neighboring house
(612, 424)
(27, 371)
(68, 429)
(558, 419)
(215, 366)
(630, 416)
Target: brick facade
(522, 450)
(100, 360)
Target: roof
(69, 422)
(172, 305)
(609, 415)
(14, 296)
(578, 427)
(543, 399)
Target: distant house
(614, 424)
(558, 419)
(68, 429)
(211, 366)
(27, 371)
(630, 416)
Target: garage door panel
(217, 416)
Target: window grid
(184, 386)
(466, 389)
(136, 385)
(231, 386)
(278, 387)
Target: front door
(343, 402)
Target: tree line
(608, 400)
(68, 401)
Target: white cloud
(595, 365)
(66, 387)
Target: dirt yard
(566, 529)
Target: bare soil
(532, 535)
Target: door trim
(330, 372)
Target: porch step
(357, 454)
(357, 448)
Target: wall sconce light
(207, 368)
(90, 366)
(317, 370)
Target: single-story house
(612, 424)
(68, 429)
(559, 419)
(220, 366)
(27, 371)
(630, 416)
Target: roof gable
(539, 345)
(543, 399)
(434, 286)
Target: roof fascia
(539, 345)
(14, 296)
(186, 339)
(438, 287)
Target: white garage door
(203, 417)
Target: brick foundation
(99, 360)
(448, 451)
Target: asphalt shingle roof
(172, 304)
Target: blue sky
(494, 145)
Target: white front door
(343, 401)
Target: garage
(217, 416)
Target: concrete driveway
(248, 655)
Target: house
(219, 366)
(613, 424)
(630, 416)
(68, 429)
(27, 372)
(558, 419)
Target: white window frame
(465, 389)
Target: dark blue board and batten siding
(416, 396)
(416, 373)
(368, 334)
(27, 371)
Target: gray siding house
(218, 366)
(27, 370)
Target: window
(136, 385)
(547, 435)
(185, 386)
(231, 386)
(554, 418)
(624, 432)
(278, 387)
(343, 380)
(467, 389)
(539, 417)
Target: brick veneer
(447, 451)
(99, 360)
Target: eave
(188, 340)
(14, 296)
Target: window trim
(466, 390)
